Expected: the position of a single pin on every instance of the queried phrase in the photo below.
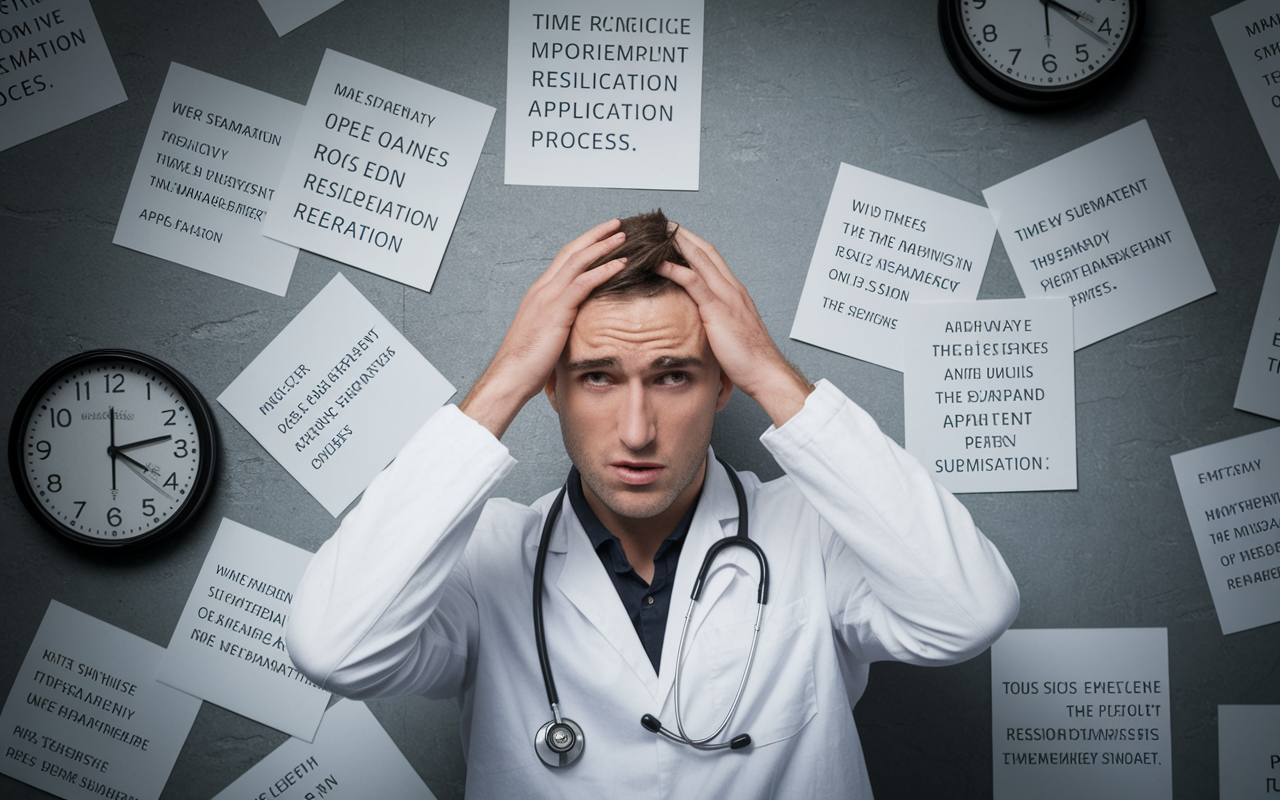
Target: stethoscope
(560, 741)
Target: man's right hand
(540, 329)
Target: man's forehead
(666, 325)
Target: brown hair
(651, 240)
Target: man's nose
(636, 424)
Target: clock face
(113, 448)
(1037, 54)
(1046, 43)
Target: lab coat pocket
(780, 695)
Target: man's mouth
(637, 473)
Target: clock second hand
(111, 448)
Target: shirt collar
(601, 537)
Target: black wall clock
(1033, 55)
(113, 448)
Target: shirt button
(649, 599)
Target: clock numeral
(148, 390)
(989, 33)
(172, 481)
(1105, 27)
(113, 517)
(1082, 55)
(1017, 51)
(171, 414)
(80, 510)
(54, 483)
(1049, 64)
(181, 451)
(106, 379)
(62, 419)
(979, 3)
(149, 506)
(85, 384)
(44, 449)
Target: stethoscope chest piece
(559, 742)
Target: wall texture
(791, 89)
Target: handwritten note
(229, 647)
(336, 394)
(379, 172)
(990, 394)
(1250, 35)
(1103, 226)
(883, 244)
(1248, 752)
(209, 167)
(285, 15)
(604, 93)
(86, 718)
(352, 758)
(1259, 389)
(1231, 492)
(1081, 713)
(56, 69)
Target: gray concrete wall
(790, 90)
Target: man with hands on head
(637, 334)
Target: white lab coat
(426, 588)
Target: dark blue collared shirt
(646, 603)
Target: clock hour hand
(121, 448)
(1077, 18)
(142, 470)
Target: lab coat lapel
(716, 517)
(584, 583)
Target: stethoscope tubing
(562, 756)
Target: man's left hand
(736, 332)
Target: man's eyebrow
(587, 364)
(676, 362)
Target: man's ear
(550, 391)
(726, 389)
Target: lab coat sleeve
(909, 576)
(385, 607)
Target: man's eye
(595, 378)
(674, 378)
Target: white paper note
(336, 394)
(58, 69)
(1103, 226)
(379, 172)
(86, 717)
(1231, 492)
(228, 647)
(209, 166)
(1081, 713)
(285, 15)
(1250, 35)
(1259, 389)
(989, 390)
(600, 94)
(885, 243)
(352, 758)
(1248, 752)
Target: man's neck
(641, 538)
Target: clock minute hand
(141, 470)
(1075, 17)
(131, 445)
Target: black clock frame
(1004, 91)
(206, 432)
